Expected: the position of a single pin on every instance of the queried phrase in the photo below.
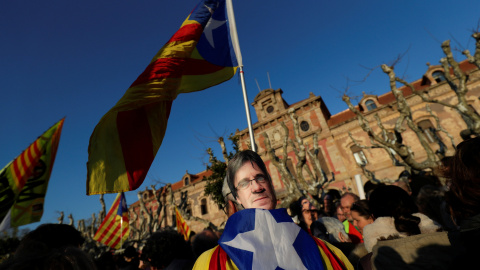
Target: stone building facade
(339, 154)
(199, 205)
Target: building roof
(194, 178)
(389, 97)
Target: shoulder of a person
(382, 228)
(421, 249)
(427, 225)
(336, 251)
(203, 261)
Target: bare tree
(458, 84)
(295, 182)
(149, 217)
(213, 187)
(457, 80)
(186, 215)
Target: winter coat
(429, 250)
(467, 242)
(384, 228)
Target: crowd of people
(405, 225)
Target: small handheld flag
(115, 228)
(182, 226)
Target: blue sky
(75, 59)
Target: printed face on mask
(253, 187)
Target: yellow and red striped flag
(125, 141)
(182, 226)
(24, 181)
(114, 229)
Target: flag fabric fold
(115, 228)
(24, 181)
(182, 226)
(124, 143)
(268, 239)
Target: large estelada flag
(125, 141)
(182, 226)
(24, 181)
(115, 228)
(268, 239)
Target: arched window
(438, 76)
(323, 163)
(359, 156)
(187, 181)
(370, 104)
(203, 206)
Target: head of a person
(361, 214)
(47, 237)
(106, 261)
(431, 202)
(164, 247)
(330, 200)
(393, 201)
(403, 181)
(309, 212)
(346, 202)
(204, 241)
(249, 181)
(327, 202)
(66, 258)
(70, 258)
(463, 173)
(130, 254)
(331, 230)
(305, 211)
(339, 213)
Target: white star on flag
(212, 24)
(266, 246)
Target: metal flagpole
(121, 229)
(236, 48)
(121, 218)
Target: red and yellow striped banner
(125, 141)
(182, 226)
(115, 228)
(29, 171)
